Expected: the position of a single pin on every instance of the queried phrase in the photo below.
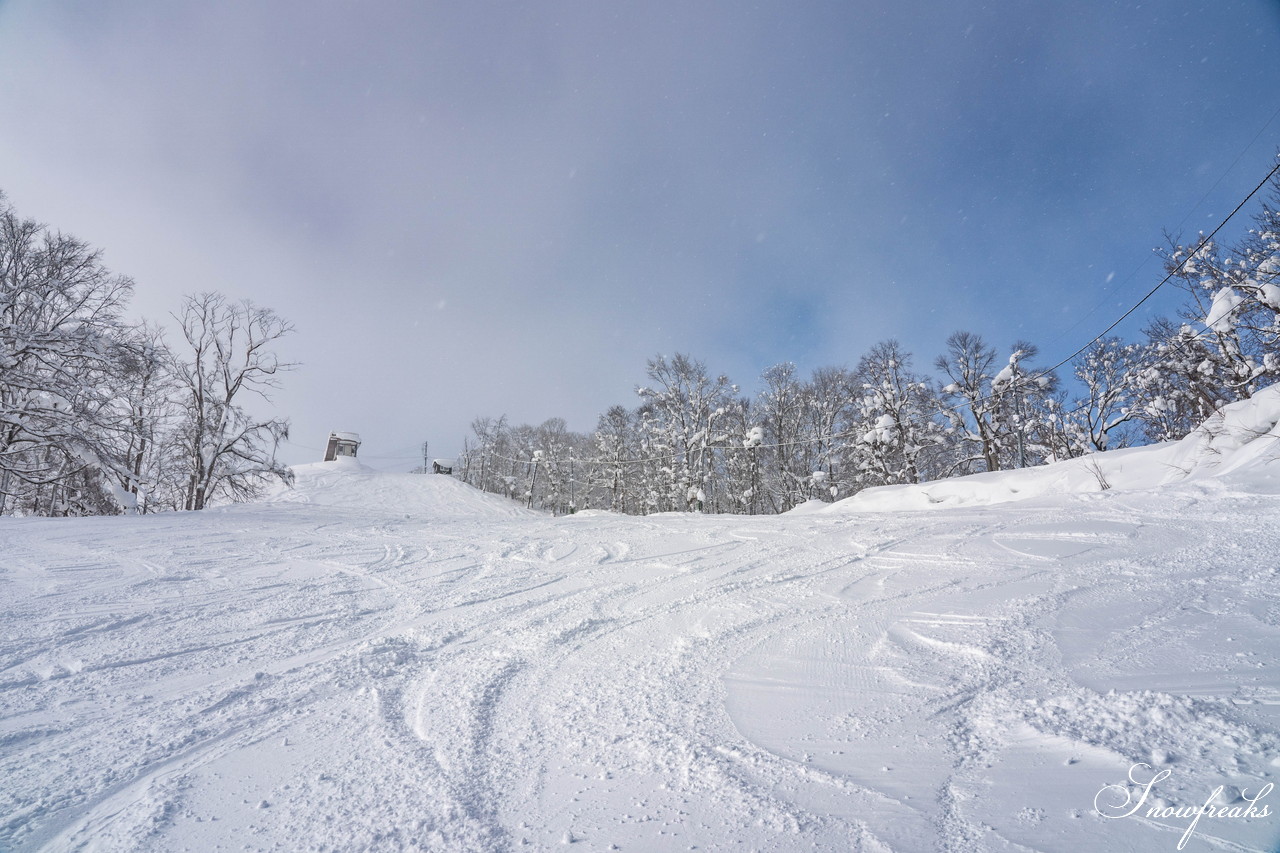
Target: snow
(398, 662)
(346, 482)
(1242, 442)
(1220, 318)
(1269, 294)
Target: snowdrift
(347, 483)
(1239, 445)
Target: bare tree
(227, 452)
(969, 363)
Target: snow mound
(808, 507)
(349, 483)
(1239, 445)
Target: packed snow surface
(397, 662)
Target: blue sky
(478, 208)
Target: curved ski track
(296, 676)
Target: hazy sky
(475, 208)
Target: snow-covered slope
(347, 483)
(1239, 446)
(390, 663)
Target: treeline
(694, 442)
(102, 415)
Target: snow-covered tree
(969, 364)
(541, 466)
(781, 406)
(614, 445)
(1228, 346)
(832, 417)
(686, 421)
(60, 313)
(750, 480)
(144, 395)
(1179, 384)
(898, 410)
(1001, 418)
(557, 451)
(737, 462)
(1022, 410)
(1109, 371)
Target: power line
(1204, 241)
(1177, 269)
(969, 404)
(1194, 207)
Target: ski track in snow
(434, 669)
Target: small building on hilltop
(341, 444)
(442, 466)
